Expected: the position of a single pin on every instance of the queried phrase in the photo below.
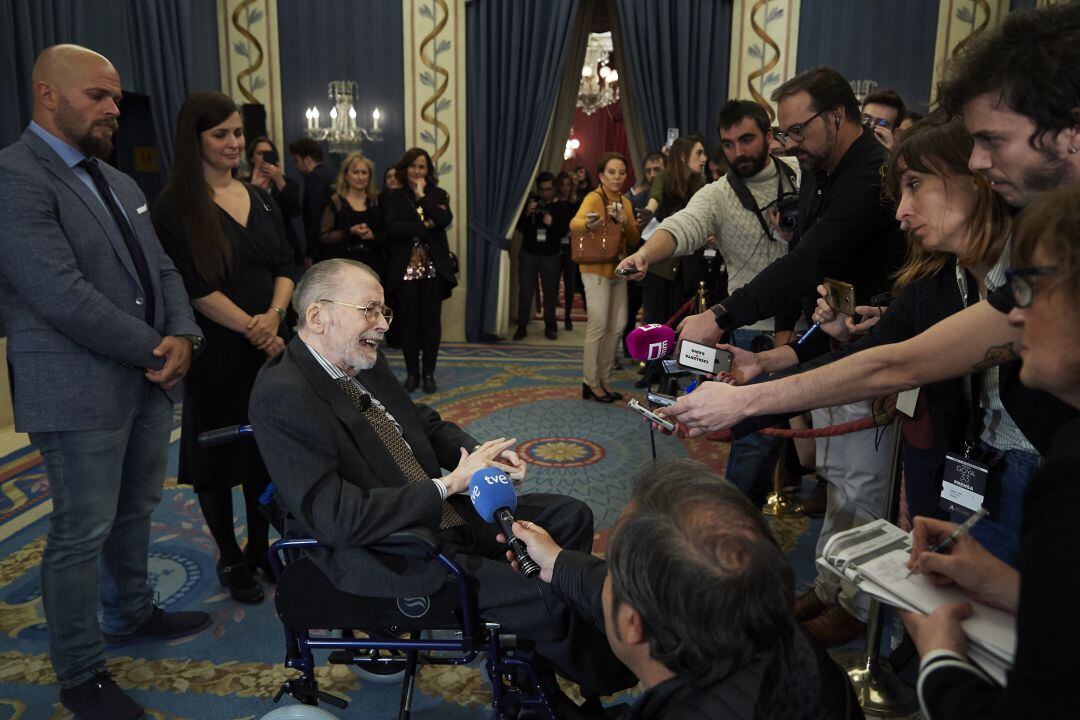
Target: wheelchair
(306, 601)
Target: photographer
(882, 113)
(541, 242)
(734, 211)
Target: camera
(787, 207)
(868, 122)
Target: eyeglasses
(1020, 282)
(372, 311)
(796, 131)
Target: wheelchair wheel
(299, 712)
(390, 670)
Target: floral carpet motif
(584, 449)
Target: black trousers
(547, 267)
(530, 608)
(571, 280)
(660, 298)
(418, 316)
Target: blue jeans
(752, 459)
(105, 484)
(1001, 536)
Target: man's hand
(484, 456)
(539, 544)
(644, 217)
(514, 467)
(262, 328)
(637, 263)
(700, 328)
(773, 216)
(940, 630)
(885, 136)
(712, 406)
(177, 354)
(967, 564)
(744, 365)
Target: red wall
(601, 132)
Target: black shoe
(551, 333)
(429, 384)
(521, 333)
(162, 626)
(613, 394)
(259, 561)
(100, 698)
(588, 394)
(568, 325)
(411, 382)
(240, 583)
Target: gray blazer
(336, 478)
(78, 343)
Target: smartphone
(661, 399)
(591, 216)
(646, 412)
(270, 157)
(623, 272)
(840, 296)
(703, 359)
(672, 136)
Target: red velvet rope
(831, 431)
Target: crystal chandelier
(599, 82)
(344, 134)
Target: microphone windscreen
(650, 342)
(490, 489)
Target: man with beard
(100, 333)
(354, 459)
(735, 210)
(845, 231)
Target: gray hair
(320, 281)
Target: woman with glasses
(1042, 680)
(958, 248)
(420, 272)
(227, 239)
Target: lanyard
(969, 291)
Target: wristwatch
(723, 320)
(196, 341)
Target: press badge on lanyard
(963, 484)
(541, 235)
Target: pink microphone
(650, 342)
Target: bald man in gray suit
(100, 333)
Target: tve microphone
(650, 342)
(493, 496)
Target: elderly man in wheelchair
(357, 470)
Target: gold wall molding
(250, 61)
(959, 22)
(764, 46)
(435, 105)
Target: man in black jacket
(695, 598)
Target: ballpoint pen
(961, 530)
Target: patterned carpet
(584, 449)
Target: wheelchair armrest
(417, 543)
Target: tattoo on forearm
(996, 355)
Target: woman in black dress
(228, 242)
(419, 271)
(352, 224)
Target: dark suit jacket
(72, 304)
(335, 477)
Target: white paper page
(649, 229)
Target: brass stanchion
(878, 688)
(702, 297)
(777, 503)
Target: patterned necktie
(90, 165)
(397, 447)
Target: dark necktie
(90, 165)
(395, 444)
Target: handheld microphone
(650, 342)
(493, 496)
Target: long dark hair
(210, 246)
(402, 167)
(680, 182)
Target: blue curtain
(164, 49)
(677, 54)
(889, 42)
(516, 52)
(343, 40)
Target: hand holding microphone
(539, 544)
(492, 494)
